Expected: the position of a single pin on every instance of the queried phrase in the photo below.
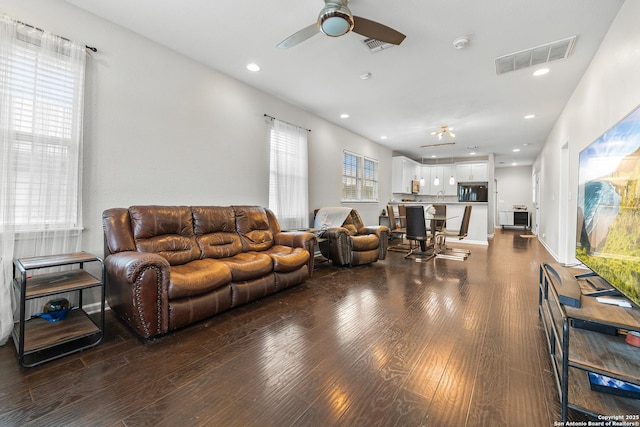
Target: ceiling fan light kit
(335, 20)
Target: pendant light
(436, 180)
(422, 171)
(452, 180)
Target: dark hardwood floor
(396, 343)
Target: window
(288, 188)
(41, 107)
(41, 89)
(359, 178)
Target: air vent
(376, 45)
(560, 49)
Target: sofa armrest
(337, 246)
(296, 239)
(382, 231)
(137, 290)
(299, 239)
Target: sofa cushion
(286, 258)
(197, 277)
(365, 242)
(185, 311)
(250, 290)
(248, 265)
(252, 225)
(166, 231)
(215, 230)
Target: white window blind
(41, 88)
(288, 180)
(359, 178)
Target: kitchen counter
(445, 202)
(478, 224)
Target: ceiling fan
(336, 19)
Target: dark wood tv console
(589, 347)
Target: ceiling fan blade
(375, 30)
(299, 37)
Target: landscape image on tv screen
(608, 238)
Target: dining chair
(396, 230)
(441, 224)
(402, 216)
(456, 253)
(417, 231)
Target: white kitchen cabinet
(467, 172)
(403, 171)
(443, 172)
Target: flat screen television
(608, 234)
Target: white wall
(513, 187)
(163, 129)
(608, 91)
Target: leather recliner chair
(353, 243)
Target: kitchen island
(477, 234)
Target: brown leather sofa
(170, 266)
(353, 243)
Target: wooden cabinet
(472, 172)
(38, 340)
(575, 348)
(403, 171)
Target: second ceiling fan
(336, 19)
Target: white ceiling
(415, 87)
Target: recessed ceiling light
(253, 67)
(529, 116)
(541, 72)
(433, 156)
(383, 137)
(515, 150)
(514, 164)
(344, 116)
(472, 153)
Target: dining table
(434, 218)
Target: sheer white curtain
(288, 183)
(41, 106)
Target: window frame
(366, 172)
(56, 148)
(284, 144)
